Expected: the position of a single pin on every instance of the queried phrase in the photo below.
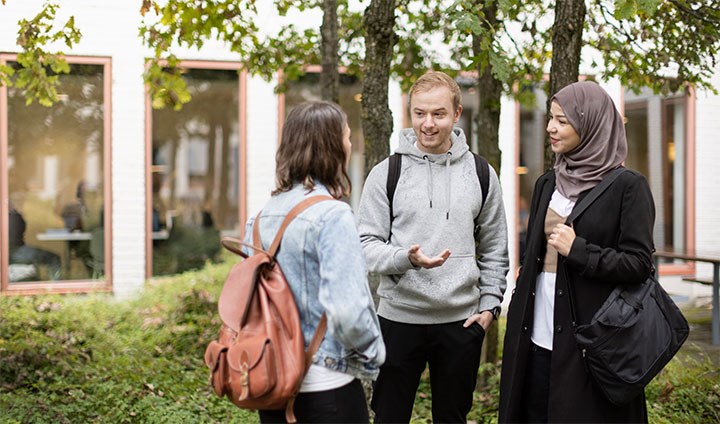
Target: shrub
(96, 359)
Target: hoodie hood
(408, 140)
(458, 148)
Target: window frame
(242, 148)
(64, 286)
(690, 100)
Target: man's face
(433, 118)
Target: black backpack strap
(394, 165)
(393, 176)
(483, 173)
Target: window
(656, 129)
(308, 88)
(195, 174)
(531, 158)
(57, 183)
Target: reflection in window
(308, 88)
(195, 167)
(55, 180)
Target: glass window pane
(55, 167)
(195, 192)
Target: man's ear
(458, 112)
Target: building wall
(707, 177)
(110, 30)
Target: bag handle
(579, 209)
(231, 243)
(295, 211)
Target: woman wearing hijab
(544, 378)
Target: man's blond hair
(432, 79)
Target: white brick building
(160, 179)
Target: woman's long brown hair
(311, 149)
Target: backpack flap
(240, 285)
(252, 366)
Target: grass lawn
(92, 358)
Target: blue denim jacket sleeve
(344, 292)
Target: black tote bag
(633, 335)
(631, 338)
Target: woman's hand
(562, 238)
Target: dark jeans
(536, 390)
(452, 353)
(345, 404)
(29, 255)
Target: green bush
(93, 358)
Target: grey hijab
(603, 145)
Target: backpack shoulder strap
(393, 176)
(232, 243)
(295, 211)
(395, 165)
(483, 173)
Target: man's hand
(418, 258)
(562, 238)
(484, 318)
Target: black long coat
(613, 245)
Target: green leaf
(624, 9)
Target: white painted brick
(110, 30)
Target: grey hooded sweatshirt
(436, 205)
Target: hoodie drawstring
(448, 176)
(430, 181)
(448, 181)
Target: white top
(319, 378)
(543, 317)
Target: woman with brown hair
(324, 265)
(544, 378)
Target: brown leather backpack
(259, 360)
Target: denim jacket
(322, 260)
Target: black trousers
(536, 389)
(452, 353)
(345, 404)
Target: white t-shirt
(319, 378)
(543, 317)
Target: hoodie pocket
(452, 285)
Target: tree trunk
(487, 122)
(329, 78)
(376, 115)
(566, 46)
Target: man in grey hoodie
(442, 258)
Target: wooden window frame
(64, 286)
(242, 148)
